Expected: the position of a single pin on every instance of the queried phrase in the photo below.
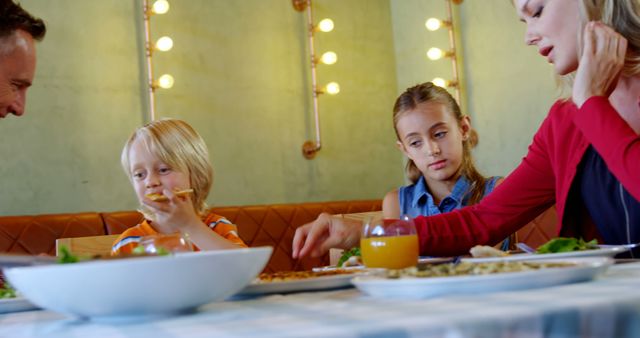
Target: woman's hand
(326, 232)
(174, 214)
(601, 62)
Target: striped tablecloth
(606, 307)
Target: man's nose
(17, 106)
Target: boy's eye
(164, 170)
(138, 175)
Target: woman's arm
(613, 139)
(523, 195)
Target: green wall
(242, 80)
(507, 87)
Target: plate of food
(298, 281)
(474, 278)
(557, 248)
(138, 287)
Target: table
(606, 307)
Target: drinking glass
(389, 243)
(166, 243)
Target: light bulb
(332, 88)
(160, 7)
(435, 53)
(325, 25)
(440, 82)
(164, 44)
(433, 24)
(165, 81)
(329, 58)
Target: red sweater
(543, 178)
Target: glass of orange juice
(389, 243)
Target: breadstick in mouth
(163, 198)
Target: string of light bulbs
(163, 44)
(311, 148)
(435, 53)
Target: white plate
(15, 305)
(308, 284)
(609, 251)
(416, 287)
(139, 287)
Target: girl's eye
(164, 170)
(440, 134)
(415, 144)
(138, 176)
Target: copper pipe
(148, 51)
(309, 149)
(454, 50)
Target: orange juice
(393, 252)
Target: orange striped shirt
(130, 239)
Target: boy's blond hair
(178, 145)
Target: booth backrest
(272, 225)
(259, 225)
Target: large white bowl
(145, 286)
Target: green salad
(567, 244)
(347, 254)
(6, 291)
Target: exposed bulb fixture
(160, 7)
(329, 58)
(325, 25)
(332, 88)
(165, 81)
(434, 24)
(435, 53)
(164, 44)
(440, 82)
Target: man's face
(17, 68)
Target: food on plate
(6, 291)
(351, 257)
(567, 244)
(67, 257)
(283, 276)
(486, 251)
(471, 269)
(162, 198)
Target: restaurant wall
(241, 80)
(507, 87)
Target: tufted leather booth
(259, 225)
(272, 225)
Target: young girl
(168, 164)
(437, 139)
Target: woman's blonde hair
(621, 15)
(428, 92)
(178, 145)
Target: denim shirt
(415, 199)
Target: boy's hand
(173, 213)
